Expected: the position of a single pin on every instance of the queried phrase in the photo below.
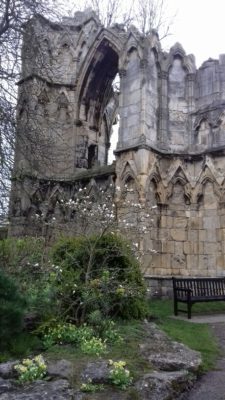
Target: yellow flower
(27, 362)
(21, 368)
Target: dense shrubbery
(98, 274)
(88, 279)
(20, 256)
(26, 261)
(12, 307)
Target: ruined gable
(170, 150)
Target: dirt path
(212, 385)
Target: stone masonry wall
(170, 155)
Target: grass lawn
(196, 336)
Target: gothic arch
(153, 191)
(130, 46)
(95, 92)
(177, 51)
(179, 178)
(207, 177)
(129, 189)
(202, 131)
(91, 60)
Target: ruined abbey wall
(170, 151)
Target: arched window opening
(92, 155)
(115, 120)
(99, 101)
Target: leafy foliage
(26, 261)
(31, 369)
(12, 307)
(91, 387)
(99, 273)
(119, 374)
(64, 334)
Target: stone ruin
(171, 147)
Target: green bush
(98, 273)
(21, 257)
(26, 261)
(12, 308)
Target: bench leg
(175, 307)
(189, 310)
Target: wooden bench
(196, 290)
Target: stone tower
(171, 136)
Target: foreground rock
(167, 355)
(55, 390)
(163, 385)
(172, 371)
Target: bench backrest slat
(201, 287)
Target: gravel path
(212, 385)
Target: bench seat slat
(203, 298)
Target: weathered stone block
(211, 248)
(211, 235)
(211, 222)
(180, 222)
(192, 262)
(188, 248)
(178, 234)
(170, 246)
(195, 223)
(163, 222)
(164, 234)
(178, 248)
(202, 235)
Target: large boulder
(96, 372)
(167, 355)
(60, 369)
(40, 390)
(160, 385)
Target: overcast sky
(199, 25)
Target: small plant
(93, 346)
(110, 334)
(90, 387)
(119, 375)
(31, 369)
(66, 333)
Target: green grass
(133, 333)
(196, 336)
